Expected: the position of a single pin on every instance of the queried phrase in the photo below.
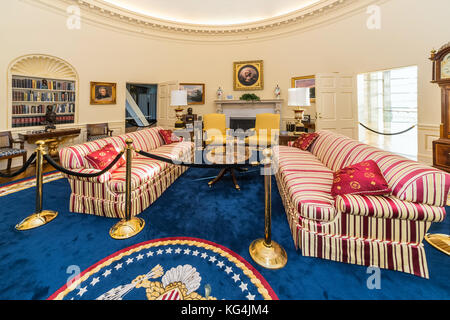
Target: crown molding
(101, 12)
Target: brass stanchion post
(265, 252)
(130, 226)
(40, 217)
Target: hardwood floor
(30, 172)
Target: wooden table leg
(220, 176)
(233, 176)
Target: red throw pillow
(169, 137)
(100, 159)
(364, 178)
(305, 141)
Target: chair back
(5, 139)
(267, 121)
(97, 129)
(215, 121)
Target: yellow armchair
(215, 127)
(267, 128)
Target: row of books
(37, 121)
(42, 84)
(39, 109)
(43, 96)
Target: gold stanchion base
(37, 220)
(439, 241)
(271, 256)
(125, 229)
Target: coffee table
(239, 155)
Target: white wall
(409, 30)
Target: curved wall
(104, 52)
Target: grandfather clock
(441, 76)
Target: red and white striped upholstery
(384, 231)
(105, 195)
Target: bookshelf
(36, 81)
(32, 95)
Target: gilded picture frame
(248, 75)
(195, 92)
(103, 93)
(306, 82)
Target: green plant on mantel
(249, 97)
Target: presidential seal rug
(178, 268)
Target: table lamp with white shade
(298, 98)
(178, 99)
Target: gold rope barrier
(40, 217)
(130, 226)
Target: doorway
(145, 97)
(387, 108)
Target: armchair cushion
(388, 207)
(6, 152)
(364, 178)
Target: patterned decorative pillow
(364, 178)
(100, 159)
(169, 137)
(305, 141)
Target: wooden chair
(7, 150)
(98, 131)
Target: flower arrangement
(249, 97)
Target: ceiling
(212, 12)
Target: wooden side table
(51, 138)
(285, 138)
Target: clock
(441, 76)
(445, 67)
(441, 64)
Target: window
(387, 102)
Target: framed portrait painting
(306, 82)
(103, 93)
(195, 92)
(248, 75)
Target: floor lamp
(178, 99)
(299, 98)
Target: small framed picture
(307, 118)
(103, 93)
(195, 92)
(306, 82)
(248, 75)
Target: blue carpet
(34, 264)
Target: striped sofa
(105, 195)
(383, 231)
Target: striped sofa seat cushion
(74, 157)
(147, 139)
(308, 182)
(388, 207)
(144, 168)
(409, 180)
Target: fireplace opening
(242, 123)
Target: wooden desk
(52, 138)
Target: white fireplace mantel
(247, 109)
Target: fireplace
(242, 123)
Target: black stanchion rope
(82, 175)
(193, 165)
(387, 134)
(24, 167)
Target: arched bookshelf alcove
(35, 81)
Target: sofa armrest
(100, 179)
(389, 208)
